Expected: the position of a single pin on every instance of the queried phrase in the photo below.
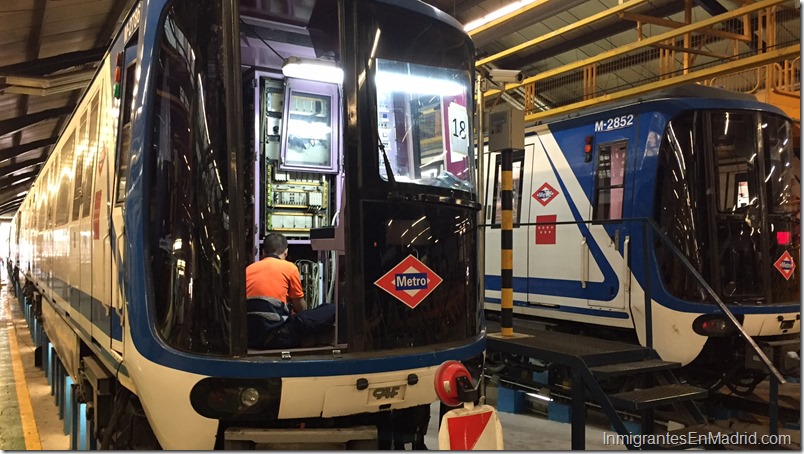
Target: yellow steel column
(507, 243)
(687, 42)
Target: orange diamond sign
(410, 281)
(785, 265)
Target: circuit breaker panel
(295, 202)
(297, 156)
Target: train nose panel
(772, 324)
(329, 397)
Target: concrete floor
(528, 432)
(18, 430)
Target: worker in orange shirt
(272, 284)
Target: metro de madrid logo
(410, 281)
(785, 265)
(545, 194)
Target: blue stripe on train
(91, 308)
(598, 291)
(120, 368)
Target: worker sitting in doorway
(272, 284)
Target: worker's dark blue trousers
(310, 322)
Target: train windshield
(423, 124)
(423, 100)
(730, 202)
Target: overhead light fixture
(399, 82)
(320, 70)
(511, 7)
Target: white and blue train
(624, 214)
(193, 141)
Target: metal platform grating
(549, 345)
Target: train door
(559, 209)
(522, 162)
(118, 195)
(608, 244)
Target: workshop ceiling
(49, 49)
(48, 52)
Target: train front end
(393, 235)
(728, 200)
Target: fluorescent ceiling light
(511, 7)
(407, 83)
(322, 71)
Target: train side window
(42, 212)
(89, 161)
(517, 168)
(81, 151)
(63, 176)
(45, 204)
(609, 180)
(125, 133)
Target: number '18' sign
(458, 131)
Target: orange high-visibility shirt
(275, 278)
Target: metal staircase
(591, 362)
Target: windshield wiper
(388, 169)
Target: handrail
(771, 368)
(697, 275)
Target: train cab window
(781, 171)
(422, 125)
(609, 180)
(187, 214)
(517, 169)
(125, 133)
(681, 194)
(781, 165)
(735, 151)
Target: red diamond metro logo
(785, 265)
(410, 281)
(545, 194)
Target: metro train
(193, 141)
(625, 213)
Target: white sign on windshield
(458, 131)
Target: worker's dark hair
(274, 244)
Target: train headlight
(237, 398)
(713, 325)
(249, 397)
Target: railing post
(773, 405)
(507, 244)
(647, 289)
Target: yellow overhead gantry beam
(674, 24)
(727, 68)
(640, 44)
